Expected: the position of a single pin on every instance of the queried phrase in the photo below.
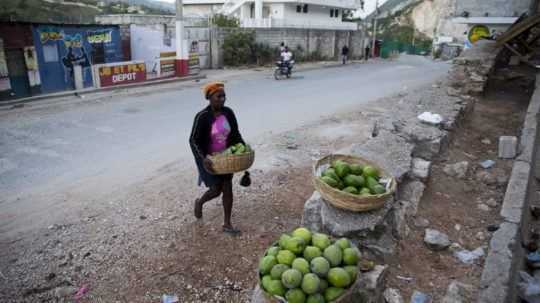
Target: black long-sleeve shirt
(202, 126)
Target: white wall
(277, 10)
(200, 10)
(315, 14)
(147, 43)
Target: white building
(312, 14)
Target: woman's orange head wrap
(212, 88)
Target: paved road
(103, 146)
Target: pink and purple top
(219, 134)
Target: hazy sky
(369, 6)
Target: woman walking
(214, 129)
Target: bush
(240, 48)
(225, 21)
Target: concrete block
(371, 285)
(515, 198)
(390, 151)
(507, 147)
(514, 61)
(400, 228)
(311, 217)
(529, 135)
(498, 268)
(420, 168)
(359, 226)
(412, 192)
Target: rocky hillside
(76, 11)
(398, 19)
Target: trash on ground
(430, 118)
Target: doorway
(18, 74)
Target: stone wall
(328, 43)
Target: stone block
(372, 285)
(420, 168)
(436, 240)
(458, 293)
(412, 192)
(311, 218)
(361, 226)
(392, 295)
(428, 141)
(515, 198)
(514, 61)
(400, 227)
(507, 147)
(498, 267)
(390, 151)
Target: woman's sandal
(197, 209)
(231, 231)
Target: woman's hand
(207, 163)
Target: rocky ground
(462, 203)
(142, 244)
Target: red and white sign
(110, 75)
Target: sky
(369, 6)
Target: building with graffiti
(46, 58)
(66, 53)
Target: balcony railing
(292, 23)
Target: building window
(336, 14)
(50, 53)
(305, 8)
(331, 13)
(299, 8)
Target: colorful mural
(61, 48)
(100, 36)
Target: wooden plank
(518, 29)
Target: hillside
(401, 20)
(75, 11)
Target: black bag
(246, 180)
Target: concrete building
(46, 58)
(493, 17)
(152, 38)
(308, 14)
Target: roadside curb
(42, 99)
(10, 103)
(505, 257)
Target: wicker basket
(349, 201)
(228, 164)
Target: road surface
(99, 147)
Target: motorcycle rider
(286, 57)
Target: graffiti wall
(60, 48)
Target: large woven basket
(349, 201)
(228, 164)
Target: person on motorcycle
(286, 57)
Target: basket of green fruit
(234, 159)
(352, 183)
(309, 267)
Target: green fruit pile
(306, 267)
(237, 149)
(354, 179)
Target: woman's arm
(195, 137)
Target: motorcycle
(283, 70)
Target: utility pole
(375, 29)
(181, 51)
